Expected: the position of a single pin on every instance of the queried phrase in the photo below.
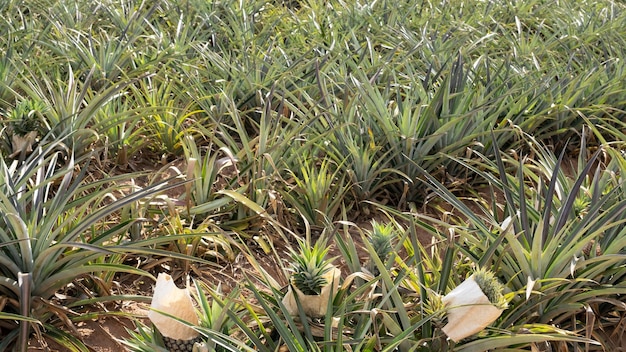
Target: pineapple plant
(315, 280)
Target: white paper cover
(469, 310)
(175, 301)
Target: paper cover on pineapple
(314, 305)
(23, 144)
(469, 310)
(175, 301)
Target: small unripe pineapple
(381, 237)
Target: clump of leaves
(491, 287)
(309, 266)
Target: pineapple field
(312, 175)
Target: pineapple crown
(309, 266)
(434, 305)
(491, 287)
(381, 237)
